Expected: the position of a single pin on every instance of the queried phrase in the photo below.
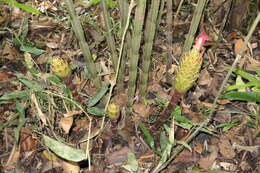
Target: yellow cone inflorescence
(190, 66)
(60, 67)
(188, 71)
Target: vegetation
(115, 86)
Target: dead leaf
(13, 158)
(119, 156)
(27, 141)
(207, 162)
(52, 45)
(40, 113)
(66, 123)
(70, 167)
(141, 110)
(9, 52)
(228, 166)
(81, 124)
(5, 75)
(198, 148)
(238, 46)
(204, 79)
(72, 113)
(226, 149)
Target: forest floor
(37, 110)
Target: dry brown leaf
(238, 46)
(66, 123)
(72, 113)
(52, 45)
(40, 113)
(205, 78)
(198, 148)
(207, 162)
(9, 52)
(226, 149)
(81, 124)
(141, 110)
(119, 156)
(27, 141)
(228, 166)
(5, 75)
(13, 158)
(70, 167)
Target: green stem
(76, 25)
(147, 51)
(194, 25)
(136, 41)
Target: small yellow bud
(113, 111)
(60, 67)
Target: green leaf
(30, 49)
(243, 86)
(31, 84)
(185, 144)
(132, 163)
(163, 141)
(15, 95)
(245, 75)
(64, 151)
(22, 6)
(148, 136)
(243, 96)
(96, 111)
(95, 99)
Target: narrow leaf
(95, 99)
(15, 95)
(148, 136)
(243, 96)
(33, 50)
(64, 151)
(185, 144)
(31, 84)
(96, 111)
(22, 6)
(245, 75)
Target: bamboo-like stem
(110, 38)
(136, 41)
(169, 36)
(76, 25)
(177, 150)
(123, 7)
(113, 83)
(147, 51)
(194, 25)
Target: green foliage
(132, 163)
(24, 7)
(109, 3)
(64, 151)
(238, 91)
(96, 98)
(230, 125)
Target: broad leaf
(64, 151)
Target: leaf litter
(235, 149)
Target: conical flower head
(60, 67)
(188, 71)
(190, 66)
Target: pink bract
(200, 40)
